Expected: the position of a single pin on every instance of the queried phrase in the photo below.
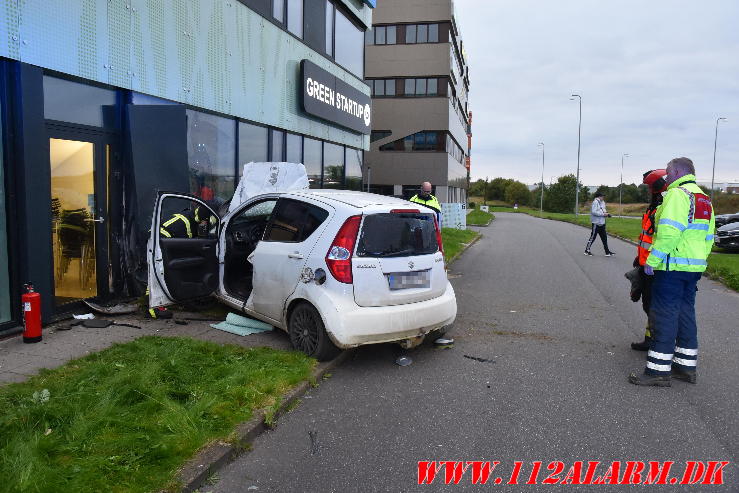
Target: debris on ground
(84, 316)
(444, 342)
(242, 326)
(481, 360)
(403, 361)
(113, 309)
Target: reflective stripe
(658, 254)
(654, 366)
(674, 224)
(687, 352)
(687, 261)
(175, 218)
(164, 232)
(684, 362)
(709, 237)
(655, 354)
(645, 245)
(698, 226)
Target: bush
(471, 205)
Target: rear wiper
(395, 254)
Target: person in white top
(598, 215)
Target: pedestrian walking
(598, 215)
(655, 181)
(682, 242)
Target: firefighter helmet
(655, 180)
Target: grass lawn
(724, 267)
(454, 240)
(479, 218)
(127, 418)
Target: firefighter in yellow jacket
(677, 259)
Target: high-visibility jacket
(432, 202)
(647, 232)
(685, 227)
(179, 226)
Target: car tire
(308, 334)
(435, 334)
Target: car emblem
(411, 264)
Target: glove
(649, 270)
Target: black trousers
(598, 229)
(646, 298)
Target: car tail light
(405, 211)
(438, 236)
(339, 256)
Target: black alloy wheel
(307, 333)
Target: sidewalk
(19, 361)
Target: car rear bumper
(351, 325)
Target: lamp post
(715, 140)
(541, 201)
(621, 186)
(577, 181)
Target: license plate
(406, 280)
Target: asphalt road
(538, 373)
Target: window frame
(301, 237)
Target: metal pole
(369, 176)
(715, 141)
(621, 186)
(541, 201)
(577, 181)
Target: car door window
(182, 217)
(247, 227)
(294, 221)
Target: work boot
(685, 376)
(650, 380)
(160, 312)
(642, 346)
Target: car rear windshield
(397, 235)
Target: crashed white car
(334, 268)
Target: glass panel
(295, 221)
(278, 10)
(4, 273)
(423, 33)
(73, 211)
(333, 166)
(350, 51)
(369, 37)
(390, 37)
(433, 87)
(410, 87)
(295, 17)
(353, 172)
(419, 143)
(294, 149)
(146, 99)
(330, 28)
(431, 141)
(312, 161)
(433, 33)
(380, 35)
(390, 87)
(211, 149)
(69, 101)
(278, 145)
(380, 87)
(408, 143)
(420, 87)
(252, 145)
(410, 33)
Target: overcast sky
(654, 75)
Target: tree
(517, 193)
(560, 197)
(497, 187)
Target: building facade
(105, 102)
(418, 73)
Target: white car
(334, 268)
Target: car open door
(182, 253)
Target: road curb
(213, 457)
(464, 249)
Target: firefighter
(682, 242)
(424, 197)
(655, 181)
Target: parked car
(727, 237)
(334, 268)
(723, 219)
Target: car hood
(729, 227)
(261, 178)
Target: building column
(442, 193)
(398, 190)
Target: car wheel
(307, 333)
(435, 334)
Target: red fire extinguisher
(31, 301)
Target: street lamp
(715, 140)
(621, 186)
(541, 201)
(577, 181)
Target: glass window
(375, 136)
(353, 169)
(379, 87)
(380, 35)
(333, 166)
(423, 33)
(73, 102)
(294, 145)
(294, 221)
(390, 36)
(295, 17)
(408, 143)
(4, 274)
(420, 87)
(433, 33)
(330, 28)
(369, 37)
(278, 145)
(410, 87)
(410, 33)
(432, 87)
(390, 87)
(431, 141)
(278, 10)
(252, 145)
(349, 53)
(312, 161)
(211, 150)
